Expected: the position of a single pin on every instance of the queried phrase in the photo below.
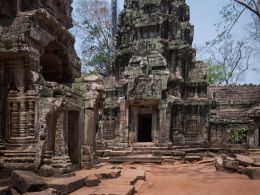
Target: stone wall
(232, 107)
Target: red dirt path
(195, 179)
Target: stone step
(19, 160)
(18, 154)
(136, 159)
(19, 165)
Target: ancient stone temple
(40, 113)
(158, 94)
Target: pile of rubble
(101, 180)
(238, 163)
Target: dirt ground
(195, 179)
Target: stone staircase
(149, 153)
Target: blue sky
(204, 14)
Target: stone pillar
(1, 103)
(155, 133)
(92, 89)
(14, 119)
(122, 121)
(164, 123)
(31, 107)
(23, 119)
(61, 161)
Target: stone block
(253, 173)
(27, 181)
(45, 192)
(244, 160)
(5, 190)
(231, 164)
(92, 181)
(66, 185)
(219, 163)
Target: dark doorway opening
(258, 136)
(73, 137)
(145, 128)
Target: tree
(230, 56)
(231, 14)
(252, 6)
(94, 27)
(228, 63)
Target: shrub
(237, 136)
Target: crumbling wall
(231, 108)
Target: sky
(204, 14)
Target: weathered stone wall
(232, 107)
(38, 65)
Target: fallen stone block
(14, 191)
(27, 181)
(109, 174)
(256, 164)
(244, 160)
(231, 164)
(92, 181)
(5, 190)
(253, 173)
(45, 192)
(66, 185)
(219, 163)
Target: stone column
(61, 161)
(23, 119)
(1, 103)
(31, 105)
(92, 89)
(14, 119)
(164, 123)
(122, 121)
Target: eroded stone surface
(26, 181)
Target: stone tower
(157, 92)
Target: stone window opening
(181, 14)
(53, 63)
(27, 5)
(8, 8)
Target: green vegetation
(237, 136)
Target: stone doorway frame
(134, 113)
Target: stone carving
(50, 109)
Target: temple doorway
(145, 128)
(259, 136)
(73, 137)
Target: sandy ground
(195, 179)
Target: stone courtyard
(150, 127)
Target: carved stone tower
(158, 93)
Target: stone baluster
(31, 118)
(23, 119)
(14, 119)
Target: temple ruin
(42, 116)
(53, 120)
(158, 95)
